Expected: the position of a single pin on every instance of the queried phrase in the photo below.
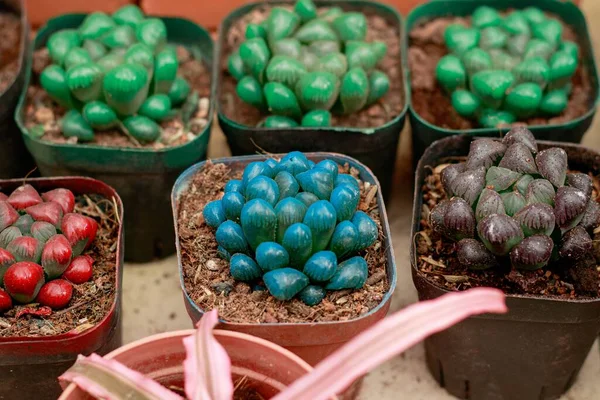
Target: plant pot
(374, 147)
(143, 177)
(535, 350)
(269, 368)
(311, 341)
(15, 161)
(30, 366)
(424, 133)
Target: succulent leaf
(536, 218)
(499, 233)
(288, 47)
(552, 165)
(465, 103)
(581, 181)
(554, 102)
(321, 266)
(448, 174)
(518, 158)
(42, 231)
(537, 48)
(281, 23)
(285, 283)
(121, 36)
(354, 90)
(591, 216)
(244, 268)
(165, 71)
(259, 222)
(54, 81)
(74, 125)
(285, 70)
(321, 218)
(281, 100)
(25, 248)
(513, 202)
(262, 187)
(255, 31)
(142, 128)
(232, 204)
(469, 184)
(306, 9)
(520, 134)
(316, 181)
(350, 26)
(345, 239)
(499, 179)
(575, 244)
(85, 81)
(76, 56)
(96, 25)
(562, 67)
(130, 15)
(351, 274)
(153, 33)
(235, 66)
(8, 215)
(484, 17)
(379, 85)
(540, 191)
(484, 152)
(321, 48)
(298, 242)
(312, 295)
(458, 221)
(569, 206)
(491, 86)
(474, 255)
(56, 256)
(361, 55)
(532, 253)
(534, 15)
(99, 115)
(230, 236)
(489, 203)
(315, 30)
(335, 63)
(250, 91)
(307, 198)
(345, 201)
(279, 122)
(549, 30)
(534, 70)
(524, 99)
(125, 88)
(451, 73)
(316, 119)
(317, 90)
(80, 230)
(255, 54)
(490, 118)
(523, 183)
(61, 42)
(516, 24)
(459, 39)
(271, 255)
(493, 38)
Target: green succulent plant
(301, 65)
(293, 225)
(507, 68)
(511, 200)
(116, 72)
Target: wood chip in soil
(92, 300)
(10, 38)
(437, 261)
(43, 114)
(380, 113)
(209, 284)
(432, 103)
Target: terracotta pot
(311, 341)
(536, 350)
(268, 367)
(15, 161)
(30, 366)
(41, 11)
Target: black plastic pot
(374, 147)
(142, 177)
(425, 133)
(533, 352)
(15, 161)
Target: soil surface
(432, 103)
(10, 37)
(437, 261)
(91, 300)
(42, 114)
(209, 284)
(380, 113)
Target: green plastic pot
(425, 133)
(142, 177)
(374, 147)
(15, 161)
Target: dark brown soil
(91, 300)
(42, 114)
(10, 37)
(243, 390)
(380, 113)
(437, 261)
(209, 284)
(432, 103)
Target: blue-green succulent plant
(116, 72)
(510, 200)
(300, 65)
(507, 68)
(296, 226)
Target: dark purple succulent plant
(511, 201)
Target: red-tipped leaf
(23, 197)
(55, 294)
(79, 230)
(48, 212)
(80, 270)
(64, 197)
(56, 256)
(23, 281)
(5, 301)
(25, 248)
(8, 215)
(6, 260)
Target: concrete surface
(153, 302)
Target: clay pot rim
(251, 340)
(563, 6)
(245, 9)
(100, 325)
(21, 12)
(417, 203)
(56, 23)
(179, 187)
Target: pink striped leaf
(110, 380)
(390, 337)
(207, 366)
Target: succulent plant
(41, 238)
(116, 72)
(507, 68)
(295, 225)
(511, 200)
(301, 66)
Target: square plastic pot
(15, 161)
(536, 350)
(425, 133)
(143, 177)
(311, 341)
(374, 147)
(30, 366)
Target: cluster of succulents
(507, 68)
(294, 225)
(41, 245)
(299, 65)
(116, 72)
(510, 200)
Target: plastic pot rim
(245, 9)
(16, 340)
(23, 48)
(489, 131)
(392, 276)
(132, 150)
(415, 229)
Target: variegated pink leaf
(110, 380)
(390, 337)
(207, 366)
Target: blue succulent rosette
(295, 226)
